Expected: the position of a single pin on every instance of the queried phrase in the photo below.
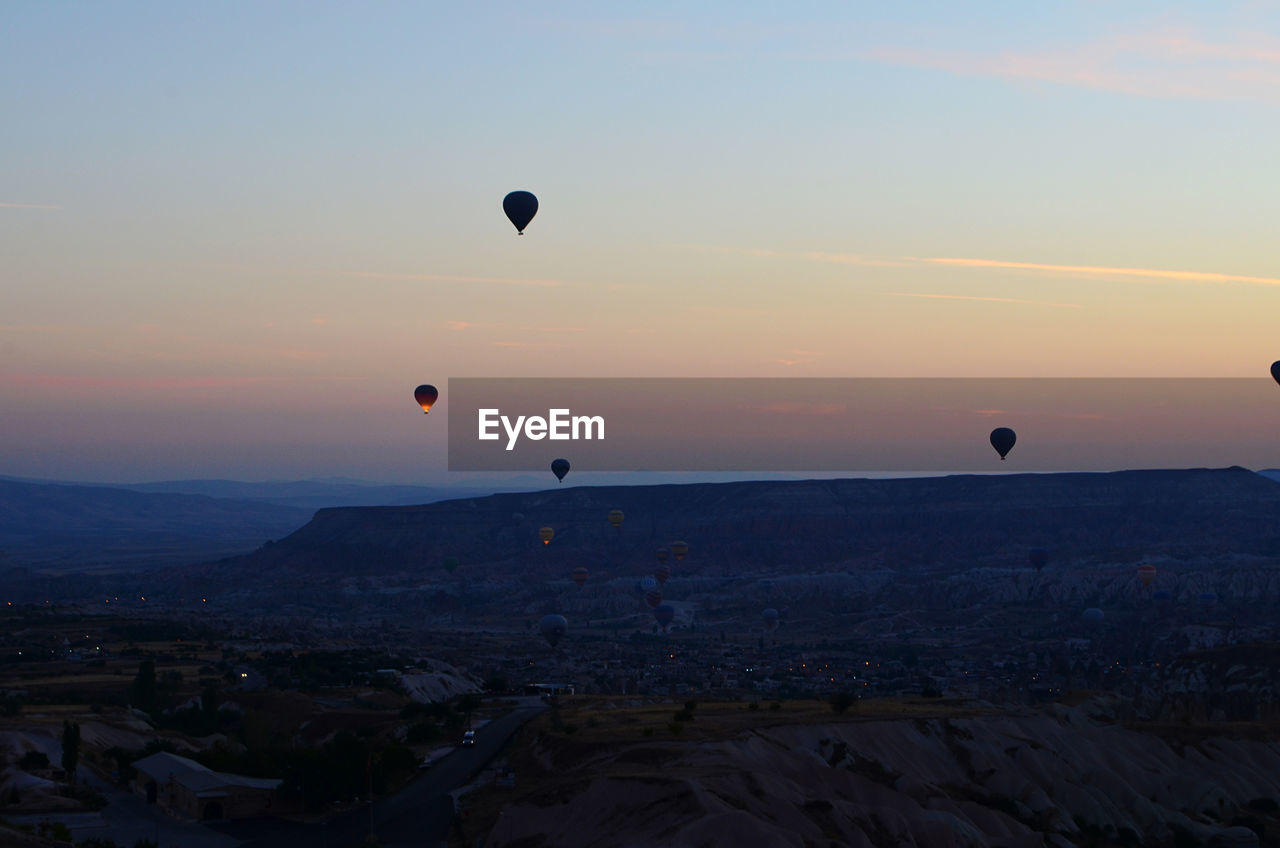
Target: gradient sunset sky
(234, 236)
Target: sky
(234, 236)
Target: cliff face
(1057, 777)
(934, 523)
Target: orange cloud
(976, 297)
(1104, 271)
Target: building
(185, 788)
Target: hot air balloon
(648, 584)
(662, 573)
(560, 467)
(425, 396)
(1038, 557)
(520, 207)
(615, 517)
(663, 553)
(546, 534)
(664, 614)
(1002, 439)
(770, 619)
(518, 518)
(1092, 615)
(653, 599)
(451, 564)
(1275, 371)
(679, 549)
(553, 628)
(1147, 574)
(580, 576)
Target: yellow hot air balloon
(679, 549)
(546, 534)
(615, 517)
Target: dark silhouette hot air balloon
(560, 467)
(451, 564)
(425, 396)
(653, 599)
(1275, 371)
(580, 575)
(520, 207)
(770, 616)
(1093, 615)
(663, 553)
(662, 573)
(1002, 439)
(1147, 574)
(553, 628)
(546, 534)
(679, 549)
(1162, 595)
(1038, 557)
(615, 517)
(664, 614)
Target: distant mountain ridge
(65, 527)
(914, 523)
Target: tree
(143, 691)
(70, 749)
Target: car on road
(469, 738)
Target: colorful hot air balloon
(664, 614)
(1038, 557)
(580, 576)
(662, 573)
(520, 207)
(653, 598)
(546, 534)
(553, 628)
(615, 517)
(1147, 574)
(679, 549)
(425, 396)
(560, 467)
(1002, 439)
(663, 553)
(770, 616)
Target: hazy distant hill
(899, 524)
(312, 494)
(54, 527)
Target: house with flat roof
(188, 789)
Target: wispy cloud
(1167, 63)
(451, 278)
(46, 381)
(981, 299)
(28, 206)
(1109, 272)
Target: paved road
(418, 815)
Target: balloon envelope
(1275, 371)
(663, 553)
(664, 613)
(451, 564)
(560, 467)
(425, 396)
(662, 573)
(1002, 439)
(648, 584)
(653, 598)
(615, 517)
(1038, 557)
(520, 207)
(770, 618)
(679, 549)
(1092, 614)
(1147, 574)
(580, 576)
(546, 534)
(553, 628)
